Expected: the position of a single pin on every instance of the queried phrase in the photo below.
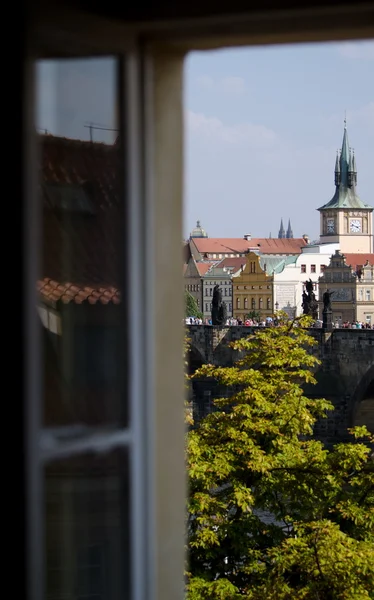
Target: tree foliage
(273, 514)
(191, 308)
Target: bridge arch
(363, 404)
(195, 359)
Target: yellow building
(253, 289)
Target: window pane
(80, 288)
(86, 536)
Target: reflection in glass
(86, 499)
(80, 298)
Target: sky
(262, 126)
(262, 129)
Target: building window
(225, 291)
(238, 303)
(268, 303)
(206, 292)
(198, 302)
(303, 268)
(245, 302)
(323, 267)
(260, 303)
(210, 306)
(312, 268)
(361, 295)
(230, 307)
(198, 287)
(206, 307)
(211, 292)
(253, 303)
(367, 295)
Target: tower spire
(282, 233)
(289, 234)
(344, 158)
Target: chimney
(248, 237)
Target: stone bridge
(345, 376)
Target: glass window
(303, 268)
(367, 295)
(84, 440)
(86, 500)
(312, 268)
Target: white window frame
(154, 143)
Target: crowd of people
(273, 322)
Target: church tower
(346, 219)
(281, 233)
(289, 234)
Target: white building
(289, 279)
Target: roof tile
(80, 258)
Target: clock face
(330, 225)
(355, 225)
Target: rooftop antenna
(91, 126)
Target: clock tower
(346, 219)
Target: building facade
(253, 289)
(365, 294)
(353, 293)
(217, 276)
(346, 219)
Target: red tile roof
(359, 260)
(234, 262)
(81, 262)
(203, 267)
(241, 245)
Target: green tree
(255, 458)
(191, 308)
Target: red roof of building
(359, 260)
(82, 214)
(203, 267)
(240, 245)
(235, 262)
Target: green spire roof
(345, 193)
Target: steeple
(282, 233)
(345, 179)
(344, 158)
(289, 234)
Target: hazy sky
(262, 129)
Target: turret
(354, 168)
(282, 233)
(337, 169)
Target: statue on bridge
(327, 301)
(310, 304)
(219, 314)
